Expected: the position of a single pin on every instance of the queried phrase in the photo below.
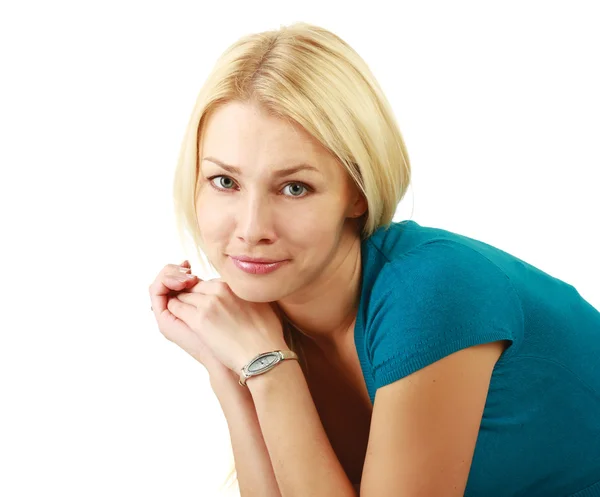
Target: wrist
(223, 380)
(264, 362)
(283, 373)
(226, 386)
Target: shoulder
(409, 249)
(437, 298)
(445, 267)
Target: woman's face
(267, 189)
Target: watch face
(262, 362)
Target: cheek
(213, 223)
(312, 228)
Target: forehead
(244, 135)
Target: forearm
(302, 457)
(252, 462)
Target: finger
(170, 279)
(170, 276)
(181, 310)
(211, 287)
(191, 298)
(177, 331)
(179, 273)
(173, 276)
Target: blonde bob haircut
(305, 74)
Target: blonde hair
(304, 74)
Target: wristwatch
(264, 362)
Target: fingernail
(190, 276)
(184, 269)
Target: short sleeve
(441, 297)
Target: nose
(255, 220)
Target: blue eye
(297, 185)
(226, 183)
(223, 177)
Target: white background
(499, 106)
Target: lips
(257, 260)
(257, 266)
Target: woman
(429, 363)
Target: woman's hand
(234, 330)
(171, 281)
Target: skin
(423, 424)
(307, 217)
(173, 279)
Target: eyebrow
(278, 174)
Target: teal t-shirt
(428, 292)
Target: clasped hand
(210, 322)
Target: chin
(256, 291)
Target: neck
(325, 313)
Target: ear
(358, 206)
